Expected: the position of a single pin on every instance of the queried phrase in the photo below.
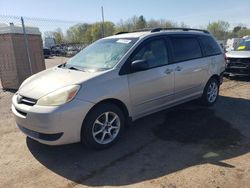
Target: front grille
(26, 100)
(238, 71)
(238, 62)
(238, 65)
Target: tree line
(86, 33)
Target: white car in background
(238, 60)
(232, 43)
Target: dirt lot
(188, 146)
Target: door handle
(178, 68)
(168, 71)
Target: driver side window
(154, 52)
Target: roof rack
(138, 30)
(177, 28)
(153, 30)
(122, 32)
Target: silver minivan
(116, 80)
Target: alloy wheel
(106, 127)
(212, 92)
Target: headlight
(59, 97)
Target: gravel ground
(187, 146)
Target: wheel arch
(118, 103)
(216, 77)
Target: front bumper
(51, 125)
(238, 68)
(237, 72)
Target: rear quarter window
(185, 48)
(210, 46)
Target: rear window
(185, 48)
(210, 46)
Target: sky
(195, 13)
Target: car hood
(238, 54)
(52, 79)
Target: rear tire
(211, 92)
(103, 126)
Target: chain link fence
(29, 45)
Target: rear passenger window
(185, 48)
(210, 46)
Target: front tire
(103, 126)
(211, 92)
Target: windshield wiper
(62, 65)
(74, 68)
(69, 67)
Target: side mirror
(139, 65)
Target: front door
(152, 88)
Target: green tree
(140, 23)
(58, 36)
(243, 32)
(240, 31)
(88, 33)
(153, 23)
(160, 23)
(183, 25)
(219, 29)
(109, 28)
(79, 33)
(73, 34)
(169, 24)
(120, 26)
(96, 30)
(237, 29)
(88, 36)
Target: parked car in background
(118, 79)
(247, 37)
(46, 52)
(49, 42)
(232, 43)
(58, 50)
(71, 51)
(238, 60)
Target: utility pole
(103, 27)
(26, 45)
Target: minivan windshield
(102, 55)
(244, 46)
